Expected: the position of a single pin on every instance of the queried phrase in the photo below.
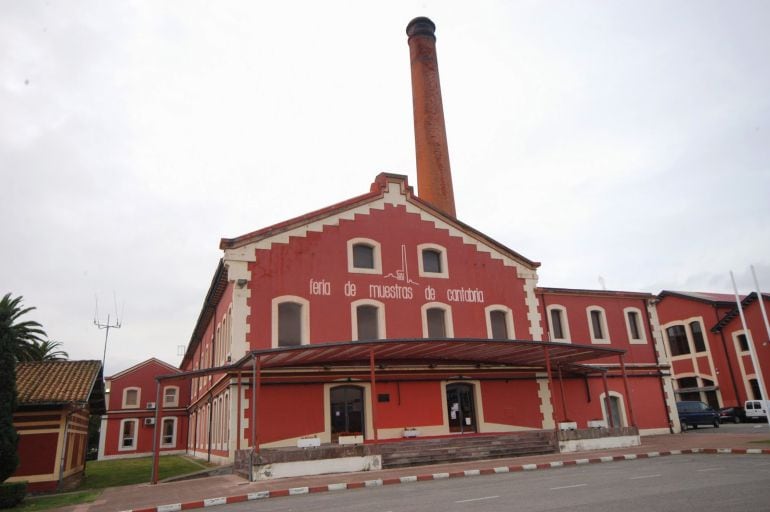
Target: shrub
(11, 494)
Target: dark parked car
(692, 414)
(732, 415)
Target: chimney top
(421, 26)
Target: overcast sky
(627, 140)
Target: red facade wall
(287, 269)
(513, 402)
(412, 404)
(143, 376)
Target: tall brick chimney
(434, 177)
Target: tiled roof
(704, 296)
(57, 382)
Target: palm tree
(46, 350)
(20, 336)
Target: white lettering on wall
(430, 293)
(350, 289)
(395, 291)
(465, 295)
(320, 287)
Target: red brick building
(708, 347)
(131, 397)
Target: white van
(756, 410)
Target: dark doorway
(615, 405)
(347, 411)
(460, 407)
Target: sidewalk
(172, 496)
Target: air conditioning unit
(151, 405)
(149, 421)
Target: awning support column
(563, 394)
(607, 402)
(628, 390)
(256, 388)
(373, 381)
(156, 433)
(550, 383)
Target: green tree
(46, 350)
(15, 338)
(22, 336)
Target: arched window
(634, 326)
(364, 256)
(558, 324)
(437, 321)
(291, 321)
(432, 260)
(597, 325)
(368, 320)
(499, 322)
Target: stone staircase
(415, 452)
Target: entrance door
(347, 411)
(460, 407)
(615, 411)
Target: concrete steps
(417, 451)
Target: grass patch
(57, 500)
(111, 473)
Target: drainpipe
(211, 420)
(727, 358)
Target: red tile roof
(57, 382)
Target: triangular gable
(728, 317)
(387, 188)
(152, 360)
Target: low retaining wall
(598, 439)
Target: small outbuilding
(56, 399)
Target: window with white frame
(168, 433)
(128, 429)
(171, 396)
(291, 321)
(558, 325)
(597, 324)
(364, 256)
(698, 341)
(634, 326)
(368, 320)
(432, 261)
(437, 320)
(741, 341)
(131, 397)
(677, 340)
(499, 322)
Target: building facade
(128, 425)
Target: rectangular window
(170, 396)
(363, 256)
(633, 324)
(431, 261)
(697, 337)
(128, 435)
(168, 432)
(743, 342)
(757, 394)
(131, 398)
(677, 340)
(596, 324)
(499, 321)
(557, 330)
(368, 328)
(289, 324)
(436, 323)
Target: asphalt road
(674, 483)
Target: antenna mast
(106, 325)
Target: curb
(297, 491)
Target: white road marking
(478, 499)
(643, 476)
(568, 487)
(710, 469)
